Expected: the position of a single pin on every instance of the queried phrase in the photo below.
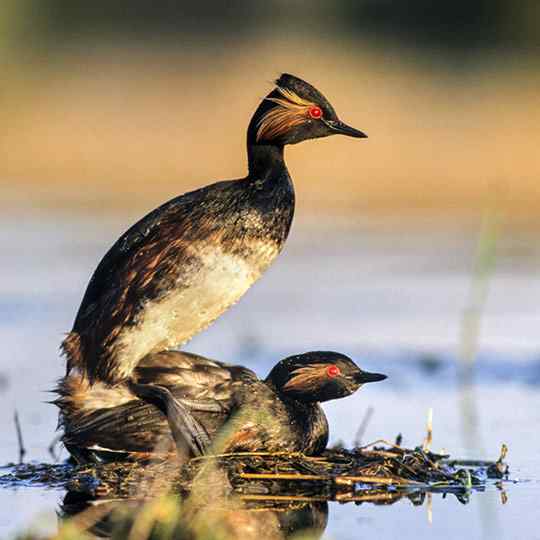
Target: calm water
(390, 295)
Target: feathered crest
(292, 111)
(306, 379)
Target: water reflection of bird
(181, 266)
(225, 519)
(178, 397)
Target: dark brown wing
(136, 426)
(194, 394)
(190, 376)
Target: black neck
(265, 161)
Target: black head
(293, 112)
(319, 376)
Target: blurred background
(415, 251)
(109, 104)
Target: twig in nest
(286, 476)
(22, 450)
(381, 441)
(244, 454)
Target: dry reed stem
(429, 435)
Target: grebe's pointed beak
(337, 126)
(366, 377)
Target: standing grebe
(178, 399)
(181, 266)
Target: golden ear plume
(292, 110)
(306, 379)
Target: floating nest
(381, 471)
(244, 495)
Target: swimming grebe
(181, 266)
(188, 402)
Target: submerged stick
(377, 480)
(293, 498)
(22, 450)
(369, 497)
(340, 480)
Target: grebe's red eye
(333, 371)
(315, 112)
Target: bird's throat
(265, 161)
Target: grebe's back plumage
(188, 400)
(180, 267)
(96, 417)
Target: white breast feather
(185, 311)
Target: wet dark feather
(154, 256)
(215, 394)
